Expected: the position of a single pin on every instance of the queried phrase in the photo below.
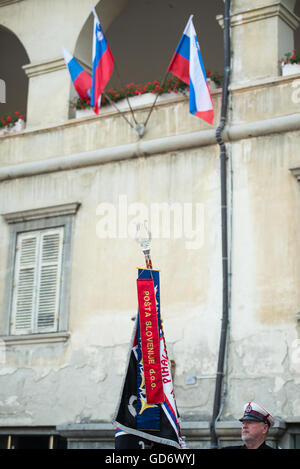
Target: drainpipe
(218, 398)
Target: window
(36, 288)
(38, 278)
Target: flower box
(212, 84)
(290, 69)
(135, 102)
(290, 63)
(117, 100)
(10, 129)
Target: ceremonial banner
(153, 425)
(150, 341)
(148, 415)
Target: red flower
(8, 119)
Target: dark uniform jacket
(263, 446)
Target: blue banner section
(148, 415)
(154, 274)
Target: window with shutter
(37, 279)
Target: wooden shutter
(36, 293)
(49, 280)
(24, 283)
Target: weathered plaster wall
(103, 292)
(79, 380)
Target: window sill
(46, 338)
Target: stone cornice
(44, 212)
(47, 338)
(43, 67)
(262, 13)
(156, 146)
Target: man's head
(256, 423)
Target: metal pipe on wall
(225, 270)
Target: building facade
(73, 190)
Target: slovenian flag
(187, 64)
(82, 81)
(103, 64)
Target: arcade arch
(13, 57)
(143, 35)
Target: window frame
(30, 221)
(35, 271)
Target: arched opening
(297, 32)
(13, 56)
(143, 38)
(143, 35)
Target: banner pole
(157, 95)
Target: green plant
(215, 76)
(291, 57)
(9, 119)
(172, 85)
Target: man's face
(253, 431)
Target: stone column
(50, 88)
(48, 92)
(262, 31)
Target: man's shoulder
(263, 446)
(234, 447)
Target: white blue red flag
(103, 64)
(187, 64)
(82, 81)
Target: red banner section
(150, 341)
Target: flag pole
(163, 82)
(157, 95)
(122, 85)
(119, 77)
(144, 237)
(116, 107)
